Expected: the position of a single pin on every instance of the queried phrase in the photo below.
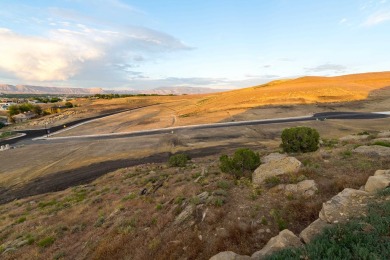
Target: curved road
(40, 134)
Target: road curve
(318, 116)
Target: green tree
(300, 139)
(13, 110)
(1, 124)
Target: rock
(202, 198)
(350, 138)
(348, 203)
(274, 167)
(272, 156)
(285, 239)
(307, 188)
(377, 183)
(184, 215)
(381, 172)
(373, 150)
(313, 230)
(229, 255)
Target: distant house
(23, 117)
(6, 105)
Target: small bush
(178, 160)
(382, 143)
(46, 242)
(21, 220)
(300, 140)
(2, 125)
(244, 160)
(68, 104)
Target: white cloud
(377, 18)
(342, 21)
(337, 68)
(64, 53)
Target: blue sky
(168, 43)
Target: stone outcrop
(373, 150)
(229, 255)
(379, 181)
(272, 157)
(345, 205)
(275, 165)
(285, 239)
(349, 203)
(313, 230)
(185, 214)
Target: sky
(223, 44)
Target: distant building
(6, 105)
(23, 117)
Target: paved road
(31, 134)
(35, 133)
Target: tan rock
(381, 172)
(285, 239)
(272, 157)
(373, 150)
(274, 167)
(348, 203)
(229, 255)
(313, 230)
(377, 183)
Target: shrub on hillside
(244, 160)
(68, 104)
(1, 124)
(300, 139)
(178, 160)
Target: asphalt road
(32, 134)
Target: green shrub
(243, 161)
(382, 143)
(178, 160)
(68, 104)
(1, 124)
(46, 242)
(300, 139)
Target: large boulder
(305, 188)
(381, 172)
(345, 205)
(313, 230)
(373, 150)
(272, 156)
(377, 183)
(278, 165)
(285, 239)
(229, 255)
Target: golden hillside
(296, 91)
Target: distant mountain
(26, 89)
(181, 90)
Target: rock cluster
(341, 208)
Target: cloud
(377, 18)
(337, 68)
(65, 52)
(342, 21)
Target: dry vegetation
(110, 219)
